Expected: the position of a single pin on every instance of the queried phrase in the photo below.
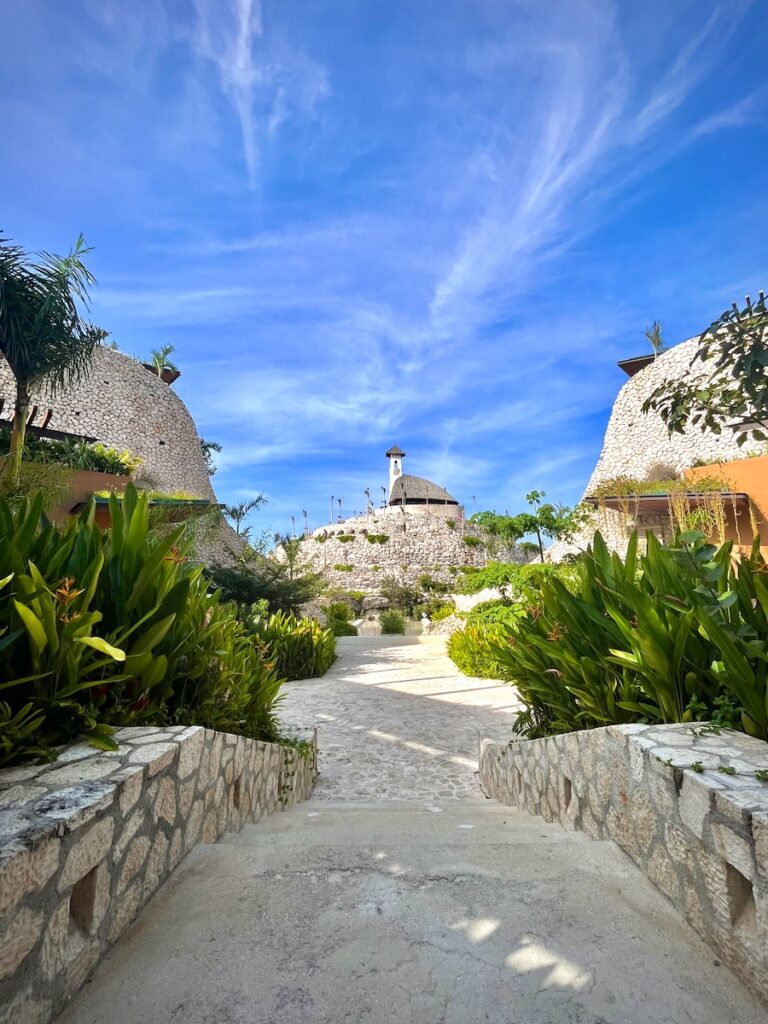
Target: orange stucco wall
(751, 477)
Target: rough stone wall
(417, 543)
(123, 405)
(701, 835)
(85, 841)
(635, 442)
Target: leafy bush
(437, 609)
(345, 538)
(103, 628)
(73, 453)
(472, 542)
(377, 538)
(264, 579)
(399, 595)
(470, 649)
(511, 576)
(339, 614)
(299, 648)
(628, 486)
(674, 634)
(392, 622)
(340, 567)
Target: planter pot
(166, 375)
(745, 476)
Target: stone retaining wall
(701, 835)
(86, 841)
(405, 544)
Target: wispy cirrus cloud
(358, 230)
(264, 81)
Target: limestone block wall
(417, 542)
(123, 405)
(86, 841)
(635, 442)
(700, 834)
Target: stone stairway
(397, 893)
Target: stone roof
(123, 405)
(395, 452)
(418, 491)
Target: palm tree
(43, 337)
(159, 359)
(237, 513)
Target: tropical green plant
(160, 359)
(116, 627)
(260, 578)
(555, 522)
(400, 596)
(655, 338)
(338, 615)
(240, 511)
(73, 453)
(512, 577)
(208, 448)
(727, 382)
(392, 622)
(470, 649)
(43, 336)
(659, 636)
(299, 648)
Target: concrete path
(397, 894)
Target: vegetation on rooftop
(72, 453)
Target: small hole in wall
(81, 904)
(161, 442)
(567, 792)
(519, 781)
(741, 901)
(236, 793)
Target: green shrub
(451, 524)
(340, 628)
(341, 567)
(339, 614)
(512, 576)
(299, 648)
(436, 608)
(345, 538)
(392, 622)
(470, 649)
(377, 538)
(674, 634)
(339, 610)
(73, 453)
(472, 542)
(104, 628)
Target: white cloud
(264, 81)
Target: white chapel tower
(395, 456)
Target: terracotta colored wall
(744, 475)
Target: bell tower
(395, 456)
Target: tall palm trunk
(12, 468)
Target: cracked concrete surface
(382, 900)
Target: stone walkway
(398, 894)
(397, 722)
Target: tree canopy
(727, 385)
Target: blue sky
(431, 222)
